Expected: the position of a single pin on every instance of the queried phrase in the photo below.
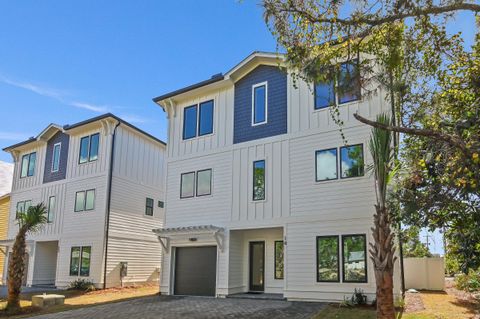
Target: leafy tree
(29, 221)
(412, 246)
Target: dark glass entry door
(257, 266)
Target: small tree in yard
(382, 250)
(29, 221)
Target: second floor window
(23, 207)
(89, 148)
(326, 164)
(259, 103)
(196, 183)
(198, 120)
(51, 209)
(351, 161)
(85, 200)
(259, 180)
(56, 157)
(28, 164)
(149, 207)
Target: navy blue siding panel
(48, 175)
(277, 105)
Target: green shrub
(358, 298)
(469, 282)
(82, 284)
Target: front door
(257, 266)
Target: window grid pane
(327, 259)
(85, 261)
(259, 180)
(149, 207)
(51, 209)
(79, 201)
(28, 204)
(74, 261)
(259, 108)
(279, 259)
(24, 165)
(324, 94)
(204, 182)
(351, 161)
(326, 165)
(354, 258)
(31, 164)
(56, 157)
(349, 82)
(90, 200)
(20, 209)
(190, 122)
(84, 146)
(93, 152)
(187, 187)
(205, 125)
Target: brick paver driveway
(160, 307)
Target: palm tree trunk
(16, 268)
(382, 254)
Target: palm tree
(382, 250)
(29, 221)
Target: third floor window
(89, 148)
(56, 157)
(198, 120)
(28, 164)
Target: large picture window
(89, 148)
(351, 161)
(328, 267)
(259, 103)
(279, 259)
(354, 258)
(80, 261)
(259, 180)
(326, 164)
(28, 164)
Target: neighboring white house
(262, 193)
(102, 181)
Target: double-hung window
(259, 180)
(198, 120)
(28, 164)
(56, 157)
(149, 207)
(259, 103)
(197, 183)
(80, 261)
(51, 209)
(89, 148)
(342, 86)
(85, 200)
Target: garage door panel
(195, 271)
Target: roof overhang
(189, 233)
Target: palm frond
(34, 218)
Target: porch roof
(200, 229)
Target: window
(259, 180)
(326, 164)
(51, 209)
(187, 185)
(324, 93)
(205, 118)
(351, 161)
(56, 157)
(190, 122)
(259, 103)
(85, 200)
(28, 164)
(327, 259)
(149, 207)
(279, 259)
(204, 182)
(80, 261)
(349, 82)
(354, 258)
(20, 209)
(89, 148)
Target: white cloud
(134, 119)
(90, 107)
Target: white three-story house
(263, 194)
(102, 181)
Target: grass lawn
(451, 304)
(77, 299)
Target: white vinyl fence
(424, 273)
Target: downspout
(109, 199)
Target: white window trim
(53, 157)
(266, 103)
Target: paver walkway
(160, 307)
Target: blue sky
(66, 61)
